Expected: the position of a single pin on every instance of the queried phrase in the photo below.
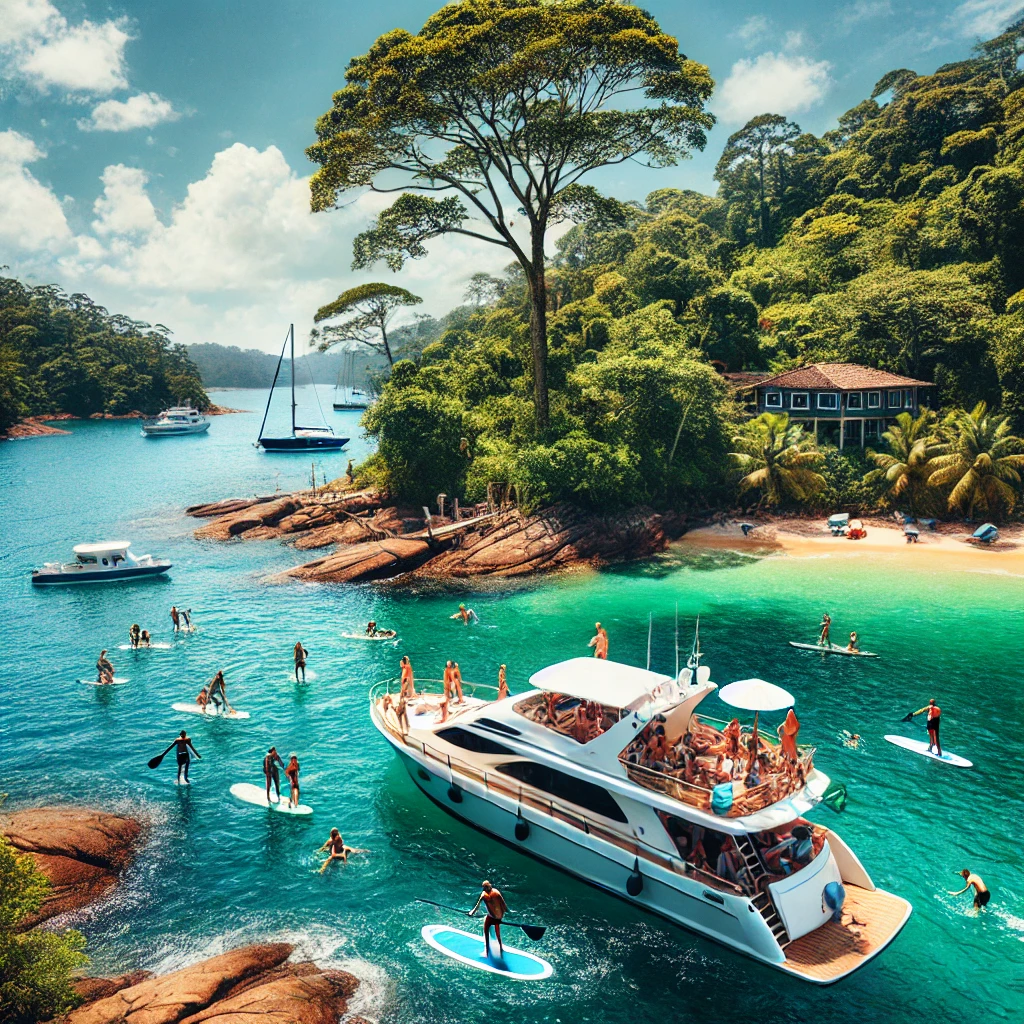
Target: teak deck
(832, 951)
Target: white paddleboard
(364, 636)
(257, 795)
(468, 949)
(833, 649)
(921, 747)
(209, 711)
(116, 681)
(156, 645)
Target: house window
(908, 398)
(800, 400)
(874, 399)
(894, 399)
(828, 400)
(773, 399)
(871, 428)
(855, 400)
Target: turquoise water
(217, 872)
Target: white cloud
(31, 216)
(124, 208)
(772, 83)
(753, 30)
(143, 111)
(39, 46)
(793, 41)
(985, 18)
(864, 10)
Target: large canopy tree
(367, 309)
(501, 107)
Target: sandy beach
(949, 546)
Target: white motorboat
(179, 419)
(565, 773)
(100, 563)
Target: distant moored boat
(179, 419)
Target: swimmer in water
(104, 670)
(184, 745)
(496, 909)
(338, 850)
(465, 614)
(502, 684)
(981, 893)
(851, 740)
(301, 654)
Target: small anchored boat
(100, 563)
(179, 419)
(348, 397)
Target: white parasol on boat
(756, 695)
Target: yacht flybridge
(602, 770)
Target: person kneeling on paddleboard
(852, 645)
(270, 772)
(934, 718)
(104, 670)
(496, 908)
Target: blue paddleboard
(469, 949)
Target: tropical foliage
(366, 310)
(63, 353)
(904, 471)
(35, 966)
(776, 458)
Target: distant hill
(227, 366)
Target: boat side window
(695, 844)
(498, 726)
(87, 559)
(565, 787)
(471, 741)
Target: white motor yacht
(565, 773)
(101, 563)
(179, 419)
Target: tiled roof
(745, 378)
(840, 377)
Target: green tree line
(64, 353)
(895, 240)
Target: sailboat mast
(273, 384)
(291, 334)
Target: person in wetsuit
(184, 745)
(496, 908)
(270, 772)
(218, 694)
(301, 654)
(934, 719)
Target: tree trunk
(539, 330)
(387, 347)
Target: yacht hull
(192, 428)
(301, 444)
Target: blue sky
(151, 154)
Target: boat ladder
(762, 900)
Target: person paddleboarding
(825, 625)
(175, 618)
(133, 635)
(104, 669)
(184, 747)
(217, 693)
(292, 772)
(301, 654)
(496, 910)
(934, 720)
(270, 772)
(338, 850)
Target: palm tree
(775, 456)
(982, 460)
(904, 470)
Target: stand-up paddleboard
(156, 645)
(116, 681)
(309, 677)
(832, 649)
(921, 747)
(209, 711)
(469, 949)
(250, 794)
(390, 635)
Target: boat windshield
(580, 720)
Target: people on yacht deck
(402, 713)
(788, 732)
(447, 678)
(338, 850)
(442, 714)
(981, 892)
(852, 645)
(184, 745)
(144, 639)
(465, 614)
(175, 618)
(270, 772)
(502, 684)
(133, 635)
(408, 683)
(104, 670)
(217, 692)
(599, 641)
(934, 720)
(732, 743)
(496, 910)
(292, 772)
(457, 683)
(301, 654)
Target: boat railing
(431, 688)
(527, 796)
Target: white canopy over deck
(605, 682)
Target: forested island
(595, 377)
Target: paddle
(532, 931)
(154, 762)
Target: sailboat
(301, 438)
(346, 395)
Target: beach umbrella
(756, 695)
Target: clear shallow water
(217, 872)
